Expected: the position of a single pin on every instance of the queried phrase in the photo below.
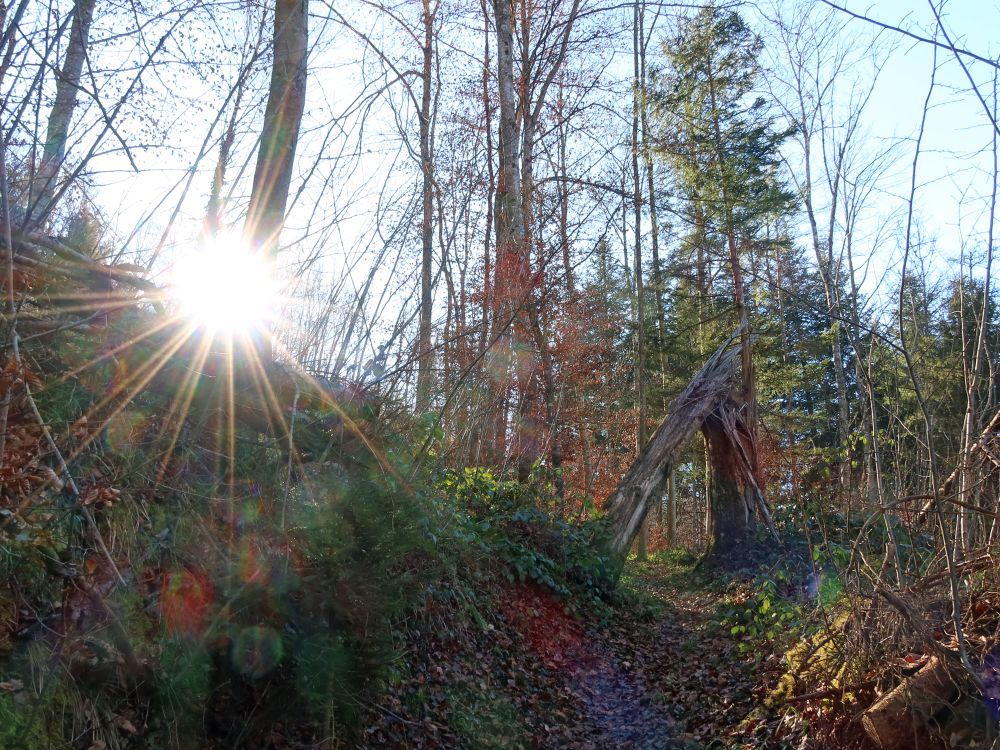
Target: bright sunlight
(224, 287)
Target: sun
(224, 287)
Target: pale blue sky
(955, 167)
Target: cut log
(900, 719)
(627, 506)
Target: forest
(499, 374)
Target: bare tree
(67, 86)
(816, 57)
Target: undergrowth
(237, 588)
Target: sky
(954, 171)
(955, 166)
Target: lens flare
(224, 287)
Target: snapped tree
(723, 147)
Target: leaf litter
(655, 671)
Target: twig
(956, 657)
(291, 454)
(65, 474)
(831, 692)
(65, 326)
(968, 75)
(988, 433)
(911, 35)
(118, 634)
(962, 569)
(37, 242)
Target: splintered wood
(710, 393)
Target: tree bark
(654, 227)
(213, 211)
(511, 269)
(732, 509)
(67, 86)
(508, 220)
(831, 289)
(627, 506)
(640, 316)
(282, 119)
(746, 342)
(671, 512)
(279, 138)
(424, 353)
(899, 719)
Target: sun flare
(224, 287)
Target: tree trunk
(710, 404)
(671, 512)
(67, 85)
(511, 270)
(831, 290)
(213, 211)
(899, 719)
(732, 509)
(654, 227)
(478, 437)
(424, 353)
(282, 119)
(279, 137)
(746, 341)
(628, 505)
(640, 322)
(640, 318)
(562, 190)
(550, 399)
(509, 223)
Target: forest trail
(657, 672)
(675, 647)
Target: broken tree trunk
(735, 493)
(707, 403)
(627, 506)
(732, 509)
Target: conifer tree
(722, 145)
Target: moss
(818, 659)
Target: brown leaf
(127, 725)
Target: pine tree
(723, 147)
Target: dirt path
(658, 672)
(616, 705)
(662, 673)
(687, 658)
